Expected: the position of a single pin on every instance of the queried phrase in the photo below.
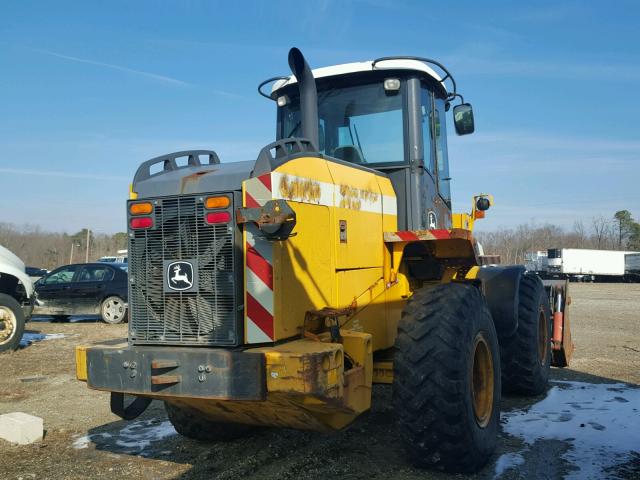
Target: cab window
(442, 158)
(427, 130)
(360, 124)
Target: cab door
(442, 202)
(435, 191)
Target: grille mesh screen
(205, 317)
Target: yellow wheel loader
(277, 291)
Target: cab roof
(366, 66)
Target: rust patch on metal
(165, 379)
(300, 189)
(193, 179)
(159, 364)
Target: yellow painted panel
(386, 187)
(389, 223)
(367, 287)
(364, 244)
(305, 367)
(303, 269)
(395, 299)
(358, 201)
(81, 363)
(307, 167)
(352, 284)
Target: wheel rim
(8, 325)
(113, 310)
(543, 338)
(482, 381)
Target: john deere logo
(179, 276)
(433, 222)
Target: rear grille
(158, 316)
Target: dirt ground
(85, 440)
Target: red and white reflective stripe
(259, 311)
(258, 191)
(409, 236)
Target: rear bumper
(174, 372)
(301, 384)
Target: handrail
(269, 80)
(448, 76)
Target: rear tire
(11, 323)
(191, 424)
(526, 356)
(113, 310)
(446, 380)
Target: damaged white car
(16, 299)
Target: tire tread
(429, 375)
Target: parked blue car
(84, 289)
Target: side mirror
(463, 119)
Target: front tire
(526, 356)
(191, 424)
(113, 310)
(11, 323)
(446, 383)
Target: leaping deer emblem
(180, 277)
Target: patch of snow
(506, 462)
(29, 338)
(81, 442)
(134, 438)
(140, 435)
(600, 421)
(72, 319)
(84, 440)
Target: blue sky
(88, 90)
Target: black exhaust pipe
(308, 95)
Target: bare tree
(579, 234)
(50, 249)
(600, 229)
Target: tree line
(620, 232)
(39, 248)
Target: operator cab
(387, 115)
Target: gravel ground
(84, 440)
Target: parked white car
(16, 299)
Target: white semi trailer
(586, 265)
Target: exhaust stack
(308, 95)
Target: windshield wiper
(355, 129)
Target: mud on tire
(191, 424)
(446, 384)
(526, 356)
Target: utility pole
(74, 243)
(86, 257)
